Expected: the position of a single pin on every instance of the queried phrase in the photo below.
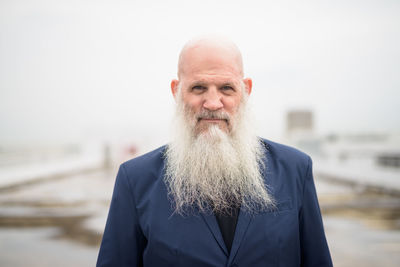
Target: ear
(174, 87)
(248, 85)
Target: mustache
(207, 114)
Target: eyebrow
(204, 83)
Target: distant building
(389, 159)
(299, 121)
(300, 131)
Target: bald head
(212, 51)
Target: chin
(213, 133)
(211, 128)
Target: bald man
(216, 195)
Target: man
(217, 195)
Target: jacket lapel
(242, 225)
(245, 218)
(212, 224)
(241, 229)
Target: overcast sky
(72, 70)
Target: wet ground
(55, 223)
(59, 222)
(362, 228)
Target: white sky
(101, 69)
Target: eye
(227, 88)
(198, 88)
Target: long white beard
(214, 170)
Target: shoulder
(286, 155)
(145, 169)
(152, 158)
(280, 150)
(287, 170)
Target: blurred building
(299, 122)
(300, 131)
(366, 160)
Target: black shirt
(227, 225)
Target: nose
(213, 100)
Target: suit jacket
(142, 230)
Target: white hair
(216, 170)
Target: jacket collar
(241, 229)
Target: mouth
(205, 123)
(213, 120)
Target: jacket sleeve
(123, 241)
(314, 247)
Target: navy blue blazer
(142, 230)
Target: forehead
(210, 62)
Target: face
(212, 87)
